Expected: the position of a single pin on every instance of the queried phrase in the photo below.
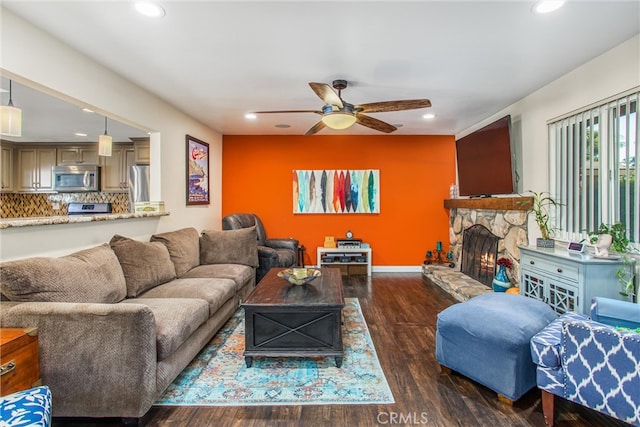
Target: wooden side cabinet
(19, 360)
(567, 282)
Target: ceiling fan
(338, 114)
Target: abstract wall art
(332, 191)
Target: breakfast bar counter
(66, 219)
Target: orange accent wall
(415, 174)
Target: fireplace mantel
(491, 203)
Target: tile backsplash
(24, 205)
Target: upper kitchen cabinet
(34, 173)
(74, 155)
(115, 168)
(6, 163)
(142, 151)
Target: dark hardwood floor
(400, 311)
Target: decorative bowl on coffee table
(299, 276)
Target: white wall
(611, 73)
(33, 57)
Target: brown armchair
(278, 252)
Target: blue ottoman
(487, 339)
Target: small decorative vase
(501, 282)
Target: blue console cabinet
(567, 281)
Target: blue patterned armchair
(28, 408)
(592, 361)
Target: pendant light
(104, 142)
(11, 118)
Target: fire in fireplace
(479, 253)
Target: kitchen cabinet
(142, 151)
(77, 155)
(6, 163)
(567, 282)
(115, 168)
(34, 172)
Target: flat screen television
(485, 162)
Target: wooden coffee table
(282, 319)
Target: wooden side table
(19, 360)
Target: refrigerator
(139, 183)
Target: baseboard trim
(397, 269)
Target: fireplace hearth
(479, 253)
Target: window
(594, 168)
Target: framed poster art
(197, 172)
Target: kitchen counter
(51, 220)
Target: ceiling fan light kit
(11, 118)
(339, 115)
(339, 120)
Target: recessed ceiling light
(429, 116)
(282, 126)
(546, 6)
(250, 116)
(80, 134)
(150, 9)
(88, 110)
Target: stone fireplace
(504, 217)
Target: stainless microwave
(76, 178)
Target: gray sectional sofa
(118, 322)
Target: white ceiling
(217, 60)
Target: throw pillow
(183, 246)
(229, 247)
(88, 276)
(623, 329)
(144, 264)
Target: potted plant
(540, 208)
(620, 244)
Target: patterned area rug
(218, 375)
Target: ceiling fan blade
(316, 128)
(288, 111)
(326, 93)
(375, 124)
(384, 106)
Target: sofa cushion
(183, 246)
(176, 319)
(240, 274)
(215, 291)
(145, 264)
(88, 276)
(229, 247)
